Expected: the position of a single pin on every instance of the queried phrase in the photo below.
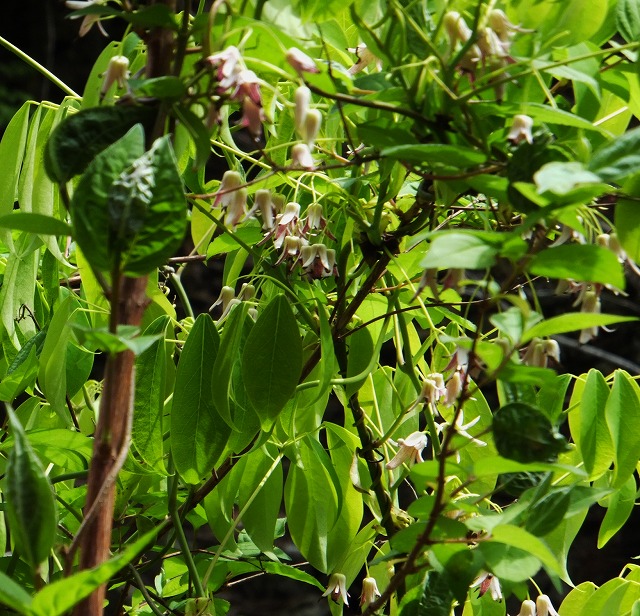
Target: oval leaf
(272, 360)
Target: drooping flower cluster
(489, 50)
(293, 235)
(234, 82)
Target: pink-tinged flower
(369, 593)
(227, 64)
(337, 588)
(410, 450)
(318, 261)
(231, 182)
(291, 247)
(365, 58)
(528, 608)
(287, 223)
(252, 117)
(487, 582)
(301, 156)
(300, 61)
(117, 72)
(315, 220)
(521, 129)
(87, 20)
(247, 85)
(302, 98)
(545, 607)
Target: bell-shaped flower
(453, 388)
(459, 33)
(231, 182)
(227, 299)
(410, 450)
(528, 608)
(545, 607)
(315, 220)
(311, 127)
(300, 61)
(337, 589)
(302, 98)
(433, 389)
(500, 24)
(487, 582)
(521, 129)
(227, 64)
(252, 117)
(317, 260)
(264, 204)
(291, 247)
(590, 304)
(236, 207)
(87, 20)
(246, 85)
(365, 58)
(369, 593)
(117, 72)
(301, 156)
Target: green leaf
(59, 597)
(570, 181)
(198, 434)
(197, 131)
(628, 20)
(520, 538)
(166, 88)
(619, 508)
(14, 596)
(35, 223)
(12, 148)
(91, 218)
(546, 513)
(272, 359)
(571, 321)
(623, 418)
(627, 219)
(150, 240)
(594, 440)
(83, 135)
(524, 433)
(148, 407)
(311, 503)
(436, 155)
(225, 362)
(31, 507)
(462, 249)
(586, 262)
(618, 158)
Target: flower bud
(312, 123)
(302, 98)
(300, 61)
(545, 607)
(528, 608)
(264, 204)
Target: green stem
(182, 294)
(174, 514)
(38, 67)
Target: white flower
(302, 99)
(227, 299)
(231, 182)
(488, 582)
(117, 72)
(337, 588)
(236, 208)
(545, 607)
(87, 20)
(591, 304)
(528, 608)
(410, 450)
(521, 129)
(311, 127)
(453, 388)
(263, 202)
(300, 61)
(301, 156)
(369, 593)
(365, 57)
